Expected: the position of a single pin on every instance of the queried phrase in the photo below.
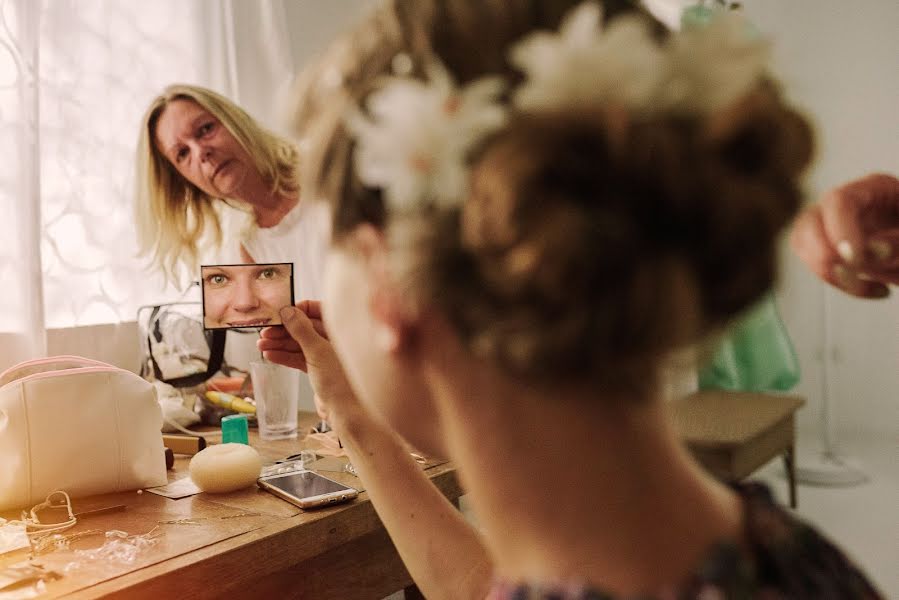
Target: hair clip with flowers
(697, 71)
(416, 137)
(415, 140)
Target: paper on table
(182, 488)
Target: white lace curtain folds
(75, 78)
(21, 300)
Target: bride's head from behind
(561, 203)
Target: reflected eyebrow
(215, 271)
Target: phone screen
(305, 484)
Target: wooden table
(247, 544)
(734, 433)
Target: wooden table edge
(142, 580)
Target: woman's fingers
(811, 243)
(312, 308)
(302, 329)
(850, 239)
(885, 276)
(287, 345)
(857, 283)
(296, 360)
(840, 211)
(855, 214)
(280, 333)
(274, 333)
(884, 250)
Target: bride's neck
(591, 489)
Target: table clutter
(78, 425)
(177, 540)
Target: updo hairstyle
(593, 243)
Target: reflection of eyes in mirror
(237, 296)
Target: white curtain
(249, 56)
(75, 79)
(21, 300)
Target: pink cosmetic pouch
(78, 425)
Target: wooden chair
(734, 433)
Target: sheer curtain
(75, 79)
(249, 56)
(21, 298)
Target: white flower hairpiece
(710, 67)
(415, 140)
(415, 143)
(581, 65)
(700, 70)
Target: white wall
(313, 24)
(840, 62)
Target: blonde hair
(172, 214)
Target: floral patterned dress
(784, 558)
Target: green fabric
(697, 16)
(756, 356)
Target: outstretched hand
(302, 343)
(850, 238)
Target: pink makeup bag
(78, 425)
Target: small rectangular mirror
(245, 296)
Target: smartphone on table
(307, 489)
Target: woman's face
(388, 382)
(202, 150)
(245, 295)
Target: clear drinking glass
(276, 390)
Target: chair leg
(790, 466)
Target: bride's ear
(389, 309)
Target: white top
(301, 238)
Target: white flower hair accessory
(581, 65)
(415, 142)
(700, 70)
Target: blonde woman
(206, 171)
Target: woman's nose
(245, 298)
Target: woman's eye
(216, 280)
(268, 274)
(181, 155)
(205, 128)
